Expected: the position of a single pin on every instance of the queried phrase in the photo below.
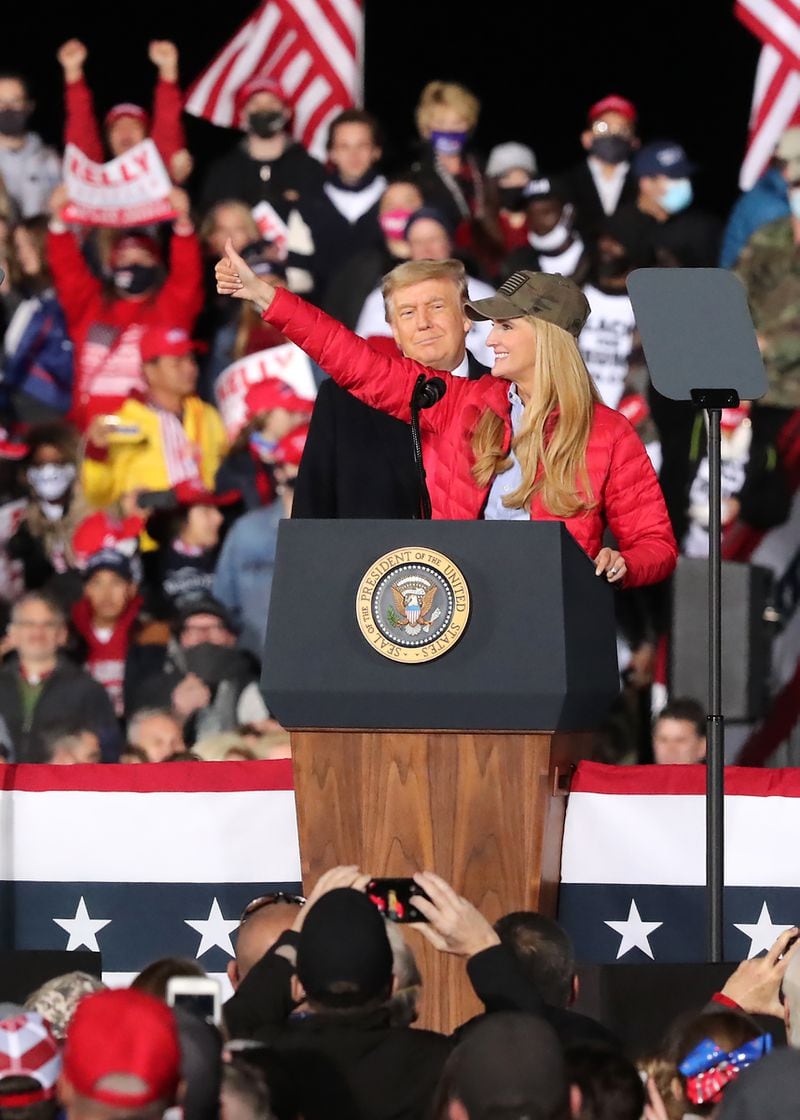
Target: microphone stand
(416, 445)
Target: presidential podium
(439, 679)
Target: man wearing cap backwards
(766, 201)
(267, 165)
(358, 460)
(532, 442)
(602, 182)
(126, 124)
(122, 1057)
(159, 438)
(106, 326)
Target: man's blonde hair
(449, 94)
(414, 272)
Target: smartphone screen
(200, 1004)
(395, 899)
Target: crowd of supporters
(142, 478)
(321, 1025)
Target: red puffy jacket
(629, 498)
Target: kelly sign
(288, 362)
(131, 190)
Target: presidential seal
(412, 605)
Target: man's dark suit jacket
(577, 186)
(358, 462)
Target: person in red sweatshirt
(106, 321)
(127, 124)
(107, 612)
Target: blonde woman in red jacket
(531, 441)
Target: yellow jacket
(137, 461)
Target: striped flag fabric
(776, 92)
(142, 862)
(312, 48)
(633, 862)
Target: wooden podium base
(483, 810)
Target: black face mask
(512, 198)
(13, 122)
(611, 149)
(612, 268)
(267, 123)
(135, 279)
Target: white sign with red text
(288, 362)
(272, 227)
(131, 190)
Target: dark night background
(536, 67)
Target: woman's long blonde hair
(551, 449)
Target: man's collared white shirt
(609, 189)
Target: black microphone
(431, 392)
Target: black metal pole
(715, 762)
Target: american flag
(776, 94)
(633, 862)
(142, 862)
(312, 48)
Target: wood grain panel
(479, 809)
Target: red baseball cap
(290, 449)
(192, 492)
(126, 109)
(275, 393)
(613, 104)
(10, 449)
(259, 84)
(134, 241)
(161, 342)
(123, 1031)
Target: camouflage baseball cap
(545, 295)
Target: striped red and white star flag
(312, 48)
(776, 93)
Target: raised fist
(72, 56)
(164, 54)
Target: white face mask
(549, 242)
(51, 481)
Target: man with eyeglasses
(262, 922)
(602, 182)
(42, 691)
(29, 169)
(209, 686)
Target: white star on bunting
(634, 932)
(762, 934)
(82, 929)
(214, 930)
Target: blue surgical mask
(794, 203)
(448, 143)
(263, 447)
(677, 196)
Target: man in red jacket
(105, 324)
(127, 124)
